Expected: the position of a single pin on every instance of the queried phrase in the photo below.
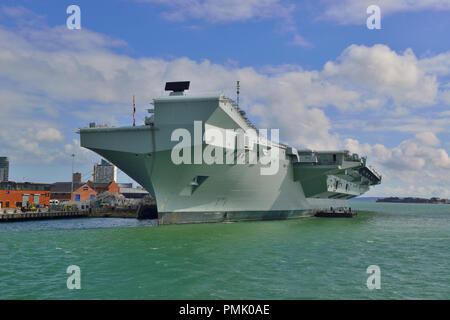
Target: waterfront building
(22, 194)
(90, 190)
(134, 193)
(125, 185)
(62, 190)
(84, 192)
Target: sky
(312, 69)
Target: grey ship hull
(193, 193)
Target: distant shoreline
(401, 200)
(414, 200)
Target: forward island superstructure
(204, 161)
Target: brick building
(90, 189)
(85, 192)
(62, 190)
(21, 194)
(100, 187)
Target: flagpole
(134, 112)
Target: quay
(141, 212)
(26, 216)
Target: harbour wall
(26, 216)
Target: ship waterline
(200, 192)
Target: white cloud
(21, 16)
(361, 78)
(413, 168)
(435, 122)
(438, 64)
(74, 81)
(49, 135)
(381, 72)
(408, 190)
(218, 11)
(91, 73)
(300, 41)
(29, 142)
(428, 138)
(354, 11)
(224, 11)
(445, 97)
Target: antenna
(177, 86)
(71, 190)
(238, 88)
(134, 112)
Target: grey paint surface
(228, 192)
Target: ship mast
(238, 88)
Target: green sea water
(307, 258)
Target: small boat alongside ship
(341, 212)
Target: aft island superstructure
(204, 161)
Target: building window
(77, 197)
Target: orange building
(85, 192)
(22, 194)
(90, 189)
(100, 187)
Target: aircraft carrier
(203, 161)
